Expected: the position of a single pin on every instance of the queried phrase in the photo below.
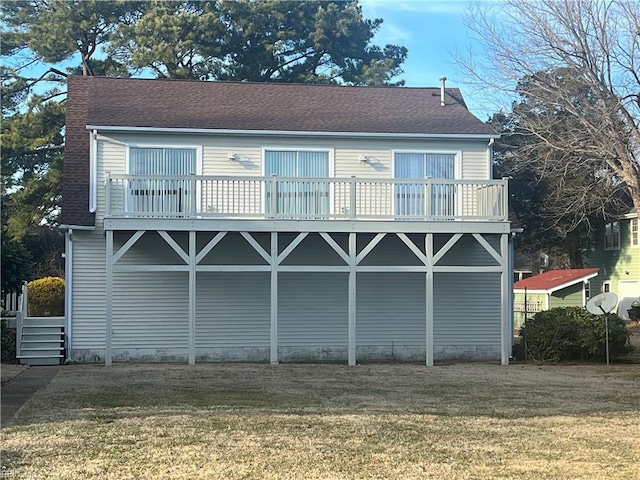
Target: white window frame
(606, 286)
(586, 290)
(276, 148)
(457, 168)
(197, 148)
(634, 241)
(613, 226)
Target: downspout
(510, 264)
(68, 292)
(93, 170)
(490, 158)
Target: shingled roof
(131, 102)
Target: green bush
(592, 338)
(8, 342)
(46, 297)
(550, 335)
(572, 333)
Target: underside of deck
(291, 295)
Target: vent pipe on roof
(442, 82)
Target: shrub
(8, 342)
(46, 297)
(572, 333)
(592, 336)
(550, 335)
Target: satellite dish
(602, 303)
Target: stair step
(60, 327)
(39, 356)
(36, 334)
(58, 342)
(44, 349)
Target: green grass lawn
(237, 421)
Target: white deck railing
(204, 196)
(530, 307)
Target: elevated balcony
(207, 202)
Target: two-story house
(278, 222)
(618, 257)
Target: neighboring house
(618, 257)
(555, 288)
(281, 222)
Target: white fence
(531, 307)
(522, 312)
(275, 197)
(10, 303)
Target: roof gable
(131, 102)
(556, 279)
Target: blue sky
(432, 30)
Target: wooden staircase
(39, 340)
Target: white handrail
(198, 196)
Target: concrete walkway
(16, 392)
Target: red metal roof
(555, 278)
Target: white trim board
(289, 133)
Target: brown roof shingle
(75, 178)
(131, 102)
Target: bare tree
(576, 66)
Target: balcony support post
(428, 247)
(194, 197)
(506, 290)
(274, 196)
(273, 343)
(109, 298)
(107, 193)
(352, 197)
(192, 298)
(352, 300)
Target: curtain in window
(410, 199)
(162, 161)
(161, 195)
(308, 197)
(442, 196)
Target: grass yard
(330, 421)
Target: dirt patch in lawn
(331, 421)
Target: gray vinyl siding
(313, 250)
(150, 249)
(89, 295)
(312, 309)
(391, 309)
(233, 249)
(467, 251)
(466, 309)
(391, 250)
(232, 309)
(150, 311)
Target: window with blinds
(169, 194)
(308, 196)
(411, 199)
